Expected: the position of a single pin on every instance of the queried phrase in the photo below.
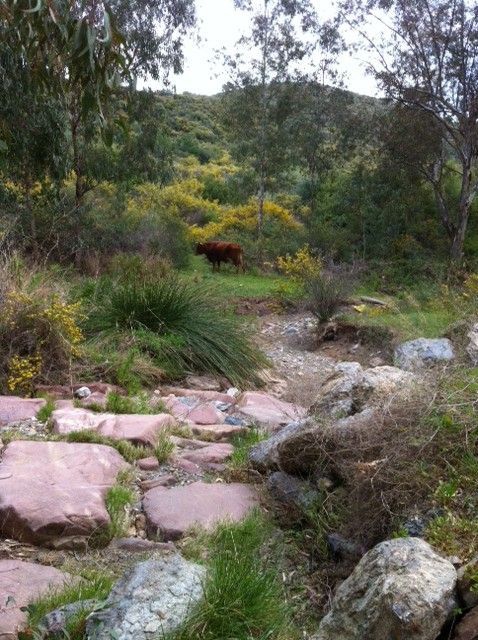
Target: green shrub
(181, 326)
(326, 292)
(243, 596)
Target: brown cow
(217, 252)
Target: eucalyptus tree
(424, 54)
(258, 98)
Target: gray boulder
(264, 455)
(423, 352)
(152, 598)
(401, 589)
(351, 389)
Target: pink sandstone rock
(216, 453)
(148, 464)
(68, 418)
(218, 432)
(139, 429)
(171, 512)
(20, 584)
(14, 409)
(192, 411)
(52, 493)
(268, 411)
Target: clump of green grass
(181, 326)
(243, 443)
(95, 587)
(118, 404)
(118, 500)
(130, 452)
(44, 414)
(164, 447)
(243, 594)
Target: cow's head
(200, 248)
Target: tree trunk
(260, 216)
(467, 195)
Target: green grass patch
(94, 586)
(231, 285)
(118, 500)
(180, 326)
(44, 414)
(118, 404)
(243, 598)
(242, 445)
(164, 447)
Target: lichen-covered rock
(401, 589)
(423, 352)
(351, 389)
(150, 600)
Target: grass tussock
(179, 326)
(130, 452)
(243, 597)
(239, 461)
(94, 587)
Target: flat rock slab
(20, 584)
(14, 409)
(140, 429)
(207, 456)
(218, 432)
(268, 411)
(52, 493)
(151, 600)
(192, 410)
(171, 512)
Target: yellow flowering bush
(470, 286)
(39, 338)
(302, 266)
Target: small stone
(82, 392)
(148, 464)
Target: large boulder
(151, 600)
(401, 589)
(351, 389)
(423, 352)
(68, 419)
(171, 512)
(53, 493)
(14, 409)
(267, 411)
(20, 584)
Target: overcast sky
(221, 25)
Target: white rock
(82, 392)
(153, 596)
(423, 352)
(401, 589)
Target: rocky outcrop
(52, 493)
(351, 389)
(14, 409)
(151, 600)
(401, 589)
(295, 495)
(20, 584)
(423, 352)
(267, 411)
(171, 512)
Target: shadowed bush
(181, 326)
